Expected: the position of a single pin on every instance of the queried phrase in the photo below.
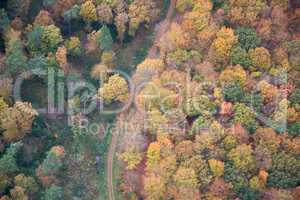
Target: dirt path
(110, 161)
(160, 29)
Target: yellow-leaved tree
(17, 120)
(222, 45)
(116, 89)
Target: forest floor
(159, 30)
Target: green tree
(54, 161)
(72, 13)
(294, 129)
(49, 3)
(248, 38)
(34, 37)
(285, 171)
(38, 62)
(245, 116)
(18, 8)
(4, 20)
(15, 59)
(178, 57)
(254, 101)
(8, 163)
(247, 193)
(294, 98)
(235, 176)
(104, 39)
(239, 56)
(233, 93)
(54, 193)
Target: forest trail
(110, 161)
(160, 29)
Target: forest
(149, 99)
